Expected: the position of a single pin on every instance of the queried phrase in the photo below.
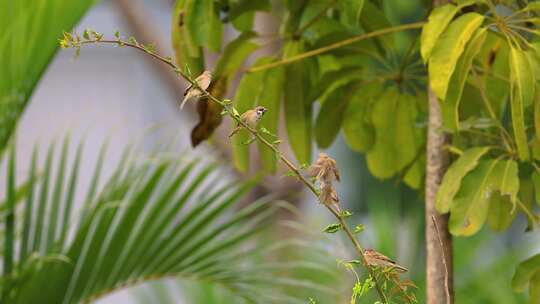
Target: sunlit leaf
(522, 94)
(448, 50)
(438, 20)
(451, 103)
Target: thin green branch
(96, 39)
(337, 45)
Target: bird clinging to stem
(250, 117)
(325, 171)
(203, 81)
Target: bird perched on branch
(250, 117)
(377, 259)
(203, 81)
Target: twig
(446, 288)
(70, 41)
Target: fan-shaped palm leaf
(151, 219)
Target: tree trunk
(439, 275)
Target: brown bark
(439, 275)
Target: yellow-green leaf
(438, 20)
(448, 50)
(522, 93)
(502, 202)
(525, 272)
(469, 209)
(501, 213)
(450, 107)
(454, 175)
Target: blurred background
(118, 95)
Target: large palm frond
(153, 218)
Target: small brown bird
(324, 169)
(328, 195)
(250, 117)
(203, 81)
(377, 259)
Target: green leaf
(187, 53)
(359, 228)
(358, 129)
(502, 204)
(246, 98)
(149, 221)
(496, 85)
(454, 175)
(242, 8)
(270, 98)
(203, 24)
(332, 228)
(448, 50)
(235, 53)
(244, 23)
(537, 115)
(501, 213)
(27, 45)
(372, 19)
(470, 207)
(352, 11)
(525, 271)
(396, 142)
(536, 181)
(438, 20)
(297, 109)
(522, 86)
(328, 122)
(450, 106)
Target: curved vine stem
(76, 42)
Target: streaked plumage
(328, 195)
(324, 169)
(203, 81)
(377, 259)
(250, 117)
